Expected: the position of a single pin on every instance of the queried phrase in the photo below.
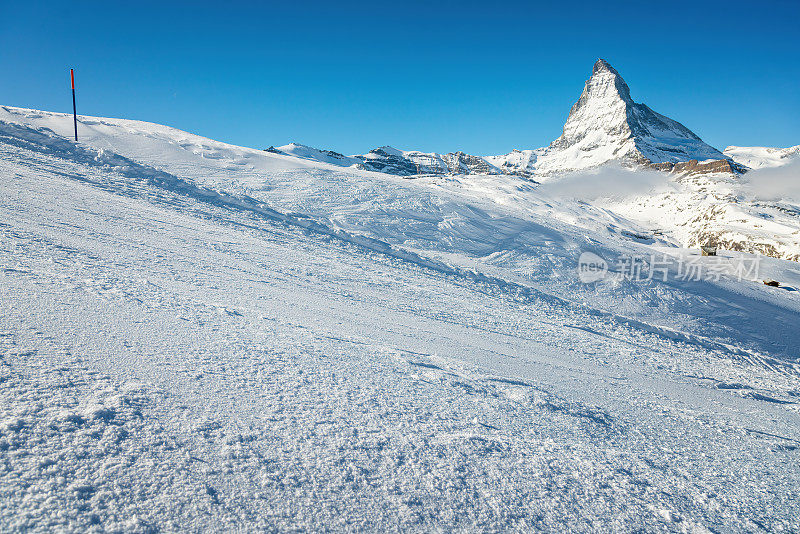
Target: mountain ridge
(605, 125)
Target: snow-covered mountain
(390, 160)
(407, 163)
(707, 200)
(606, 125)
(517, 162)
(759, 157)
(203, 336)
(719, 209)
(314, 154)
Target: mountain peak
(605, 124)
(388, 150)
(606, 82)
(602, 65)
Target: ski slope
(199, 336)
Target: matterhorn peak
(605, 125)
(605, 83)
(602, 66)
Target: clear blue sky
(483, 77)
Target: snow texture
(199, 336)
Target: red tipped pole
(74, 109)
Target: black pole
(74, 109)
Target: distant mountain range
(604, 126)
(398, 162)
(704, 198)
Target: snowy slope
(759, 157)
(499, 225)
(208, 337)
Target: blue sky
(483, 77)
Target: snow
(199, 336)
(522, 162)
(759, 157)
(757, 212)
(314, 154)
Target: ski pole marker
(74, 109)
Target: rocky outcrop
(389, 161)
(693, 166)
(461, 163)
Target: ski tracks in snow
(174, 357)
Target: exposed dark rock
(695, 167)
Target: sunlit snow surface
(760, 157)
(199, 336)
